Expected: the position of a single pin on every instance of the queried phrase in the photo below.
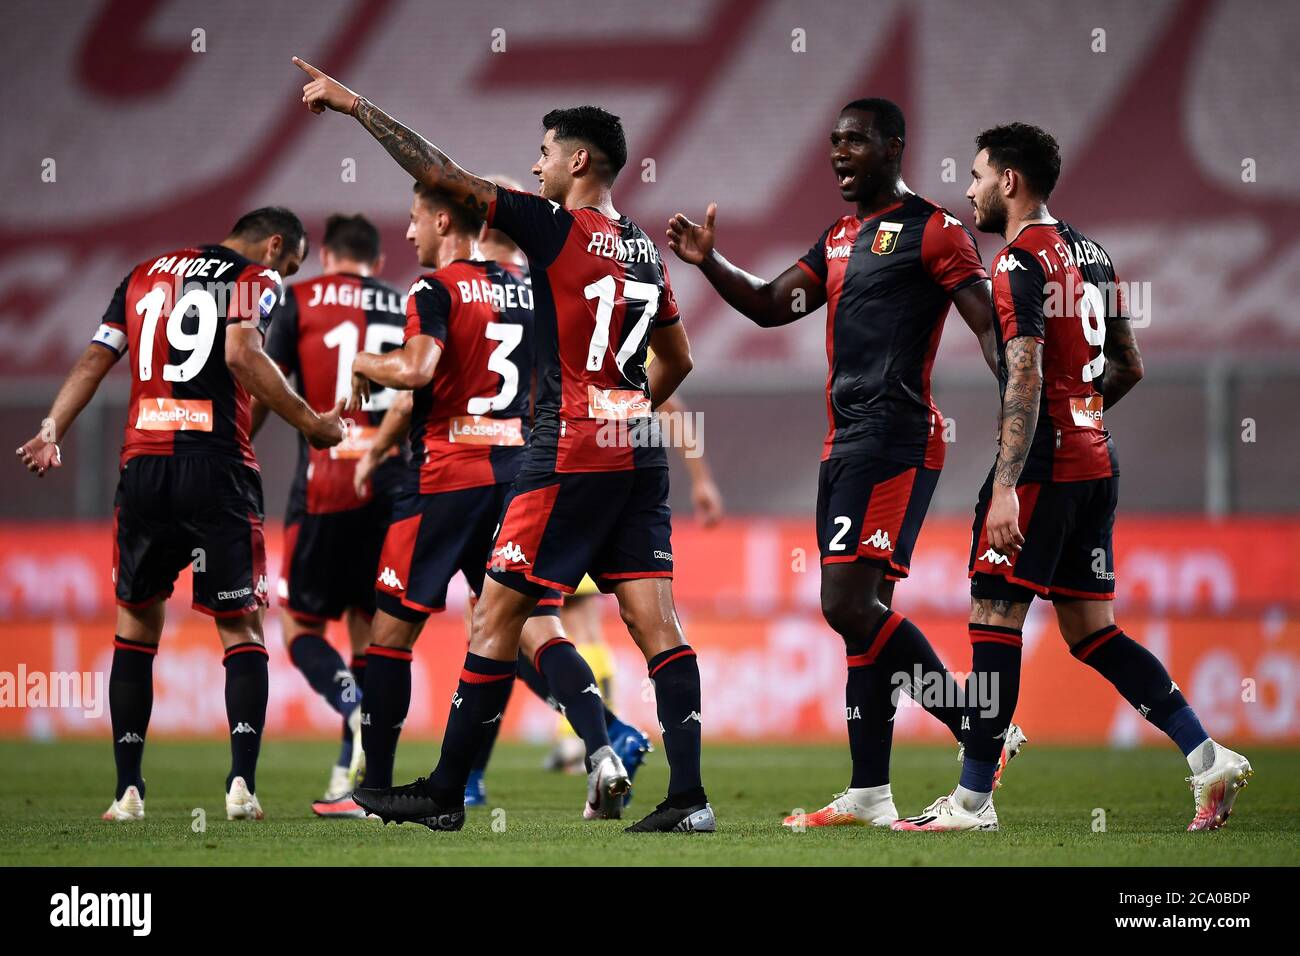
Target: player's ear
(377, 266)
(580, 160)
(274, 247)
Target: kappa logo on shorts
(879, 540)
(511, 553)
(262, 586)
(664, 556)
(389, 579)
(992, 557)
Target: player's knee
(851, 615)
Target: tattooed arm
(425, 162)
(1123, 361)
(1020, 404)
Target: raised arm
(41, 453)
(1123, 367)
(425, 162)
(790, 296)
(975, 303)
(1020, 403)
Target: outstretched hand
(692, 242)
(324, 92)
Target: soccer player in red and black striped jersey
(190, 493)
(1044, 522)
(592, 493)
(888, 275)
(468, 356)
(333, 529)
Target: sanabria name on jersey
(1043, 290)
(170, 313)
(600, 288)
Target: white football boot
(945, 815)
(607, 784)
(129, 807)
(340, 784)
(241, 804)
(1011, 744)
(1215, 790)
(847, 809)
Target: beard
(992, 217)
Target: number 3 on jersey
(508, 337)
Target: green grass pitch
(51, 795)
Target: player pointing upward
(580, 502)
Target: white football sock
(868, 796)
(1202, 758)
(970, 800)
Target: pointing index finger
(307, 68)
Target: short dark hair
(595, 127)
(888, 116)
(1029, 150)
(464, 215)
(271, 221)
(352, 237)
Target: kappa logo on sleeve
(1008, 263)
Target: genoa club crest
(886, 238)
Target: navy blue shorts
(198, 510)
(1068, 552)
(558, 526)
(871, 509)
(431, 537)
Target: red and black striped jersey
(171, 313)
(889, 281)
(601, 288)
(1052, 283)
(469, 426)
(315, 333)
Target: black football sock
(992, 690)
(130, 702)
(484, 754)
(676, 676)
(1143, 681)
(573, 685)
(912, 663)
(536, 682)
(246, 692)
(869, 709)
(384, 702)
(478, 703)
(325, 671)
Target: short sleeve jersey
(469, 426)
(600, 288)
(315, 333)
(170, 314)
(889, 282)
(1058, 287)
